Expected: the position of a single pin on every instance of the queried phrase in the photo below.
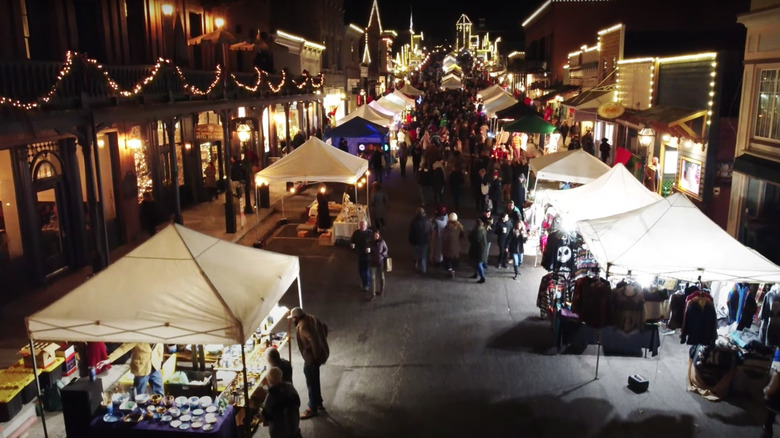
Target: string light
(70, 57)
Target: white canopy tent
(178, 287)
(673, 238)
(497, 102)
(376, 106)
(408, 89)
(401, 98)
(449, 61)
(315, 161)
(451, 83)
(614, 192)
(575, 166)
(391, 103)
(490, 91)
(367, 113)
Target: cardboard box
(44, 355)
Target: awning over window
(757, 167)
(589, 99)
(554, 91)
(678, 122)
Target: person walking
(281, 406)
(377, 260)
(417, 153)
(376, 163)
(478, 250)
(517, 237)
(456, 179)
(359, 242)
(378, 206)
(312, 337)
(502, 229)
(438, 223)
(403, 153)
(605, 149)
(419, 235)
(210, 181)
(452, 234)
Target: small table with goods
(348, 220)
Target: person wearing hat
(451, 235)
(605, 149)
(312, 337)
(281, 406)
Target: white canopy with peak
(315, 161)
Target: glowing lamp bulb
(219, 22)
(167, 10)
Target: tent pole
(300, 295)
(38, 401)
(247, 413)
(598, 356)
(356, 201)
(536, 182)
(284, 216)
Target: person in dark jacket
(417, 153)
(312, 337)
(274, 359)
(518, 191)
(149, 213)
(772, 395)
(494, 191)
(502, 229)
(478, 249)
(344, 145)
(376, 262)
(281, 406)
(605, 149)
(323, 212)
(359, 242)
(376, 163)
(514, 247)
(419, 237)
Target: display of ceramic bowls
(151, 408)
(175, 423)
(169, 400)
(155, 399)
(205, 401)
(128, 406)
(166, 418)
(211, 409)
(181, 401)
(194, 402)
(185, 418)
(184, 426)
(197, 424)
(208, 427)
(112, 418)
(174, 412)
(142, 399)
(197, 412)
(211, 419)
(120, 397)
(132, 418)
(161, 410)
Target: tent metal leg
(38, 402)
(598, 356)
(284, 216)
(300, 294)
(247, 413)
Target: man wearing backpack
(312, 337)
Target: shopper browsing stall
(145, 364)
(312, 337)
(281, 406)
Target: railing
(79, 82)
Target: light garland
(70, 56)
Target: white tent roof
(490, 91)
(410, 90)
(575, 166)
(448, 61)
(180, 286)
(374, 104)
(451, 83)
(673, 238)
(450, 76)
(497, 102)
(367, 113)
(614, 192)
(408, 101)
(316, 161)
(391, 104)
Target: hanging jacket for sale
(748, 312)
(736, 299)
(770, 318)
(559, 252)
(676, 310)
(628, 307)
(591, 301)
(656, 304)
(700, 324)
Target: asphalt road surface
(440, 357)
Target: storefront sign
(611, 110)
(208, 132)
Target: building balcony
(81, 83)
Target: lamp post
(646, 137)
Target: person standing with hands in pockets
(360, 243)
(377, 260)
(312, 337)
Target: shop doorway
(52, 216)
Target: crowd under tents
(614, 192)
(575, 166)
(673, 238)
(366, 112)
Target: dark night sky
(437, 18)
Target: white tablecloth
(343, 229)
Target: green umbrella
(530, 125)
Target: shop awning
(592, 98)
(554, 91)
(678, 122)
(178, 287)
(757, 167)
(673, 238)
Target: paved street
(447, 357)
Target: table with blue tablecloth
(225, 427)
(572, 332)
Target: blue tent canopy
(357, 127)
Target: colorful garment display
(591, 301)
(700, 323)
(628, 306)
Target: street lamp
(167, 10)
(646, 137)
(244, 132)
(219, 22)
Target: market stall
(186, 288)
(575, 166)
(366, 112)
(409, 90)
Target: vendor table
(573, 332)
(225, 427)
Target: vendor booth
(316, 161)
(575, 166)
(409, 90)
(179, 287)
(358, 131)
(366, 112)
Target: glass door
(53, 238)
